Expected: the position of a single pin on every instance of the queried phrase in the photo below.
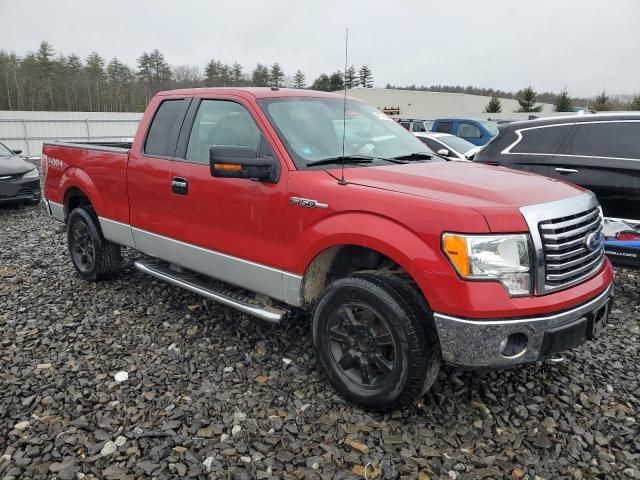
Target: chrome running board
(226, 296)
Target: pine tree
(494, 106)
(322, 83)
(299, 80)
(276, 76)
(527, 100)
(336, 82)
(563, 102)
(160, 69)
(365, 77)
(237, 76)
(260, 76)
(635, 103)
(144, 67)
(351, 79)
(601, 103)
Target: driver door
(230, 228)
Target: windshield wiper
(417, 156)
(351, 159)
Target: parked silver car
(448, 145)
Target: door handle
(179, 185)
(566, 170)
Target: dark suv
(599, 152)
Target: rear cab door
(444, 126)
(604, 157)
(149, 174)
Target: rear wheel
(93, 257)
(375, 340)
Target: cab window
(163, 133)
(220, 122)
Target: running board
(226, 297)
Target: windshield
(491, 127)
(456, 143)
(5, 152)
(312, 130)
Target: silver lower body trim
(117, 232)
(55, 210)
(479, 343)
(269, 281)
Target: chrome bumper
(483, 343)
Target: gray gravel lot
(214, 393)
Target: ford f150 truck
(272, 200)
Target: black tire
(93, 257)
(377, 370)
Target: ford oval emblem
(593, 241)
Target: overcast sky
(587, 45)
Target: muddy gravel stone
(176, 413)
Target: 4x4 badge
(307, 203)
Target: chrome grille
(568, 257)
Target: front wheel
(93, 256)
(375, 340)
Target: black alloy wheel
(81, 247)
(362, 344)
(375, 340)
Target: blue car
(478, 132)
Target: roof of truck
(255, 92)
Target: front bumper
(20, 190)
(507, 342)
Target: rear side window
(444, 127)
(418, 127)
(162, 135)
(469, 131)
(544, 140)
(610, 139)
(405, 125)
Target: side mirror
(17, 152)
(233, 161)
(443, 152)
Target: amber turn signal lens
(227, 167)
(456, 249)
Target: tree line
(42, 80)
(528, 98)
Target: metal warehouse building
(420, 104)
(27, 130)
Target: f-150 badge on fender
(307, 203)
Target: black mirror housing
(17, 152)
(234, 161)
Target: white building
(430, 105)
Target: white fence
(28, 130)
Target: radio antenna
(344, 103)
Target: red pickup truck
(272, 200)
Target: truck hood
(496, 192)
(13, 166)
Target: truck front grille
(573, 248)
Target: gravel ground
(213, 393)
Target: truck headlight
(504, 258)
(33, 173)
